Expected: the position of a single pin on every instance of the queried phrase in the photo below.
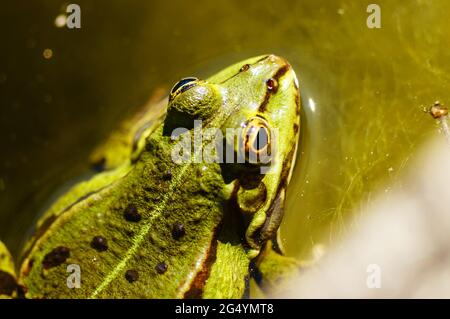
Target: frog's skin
(171, 230)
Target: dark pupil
(181, 83)
(261, 139)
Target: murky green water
(363, 91)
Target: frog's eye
(256, 136)
(183, 85)
(193, 100)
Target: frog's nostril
(244, 68)
(272, 85)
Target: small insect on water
(438, 110)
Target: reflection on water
(363, 91)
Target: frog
(151, 223)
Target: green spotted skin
(153, 228)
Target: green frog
(188, 201)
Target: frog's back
(132, 239)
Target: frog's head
(256, 105)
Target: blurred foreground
(400, 247)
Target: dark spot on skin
(56, 257)
(99, 243)
(161, 268)
(272, 85)
(244, 68)
(7, 283)
(131, 214)
(168, 175)
(295, 128)
(131, 275)
(178, 231)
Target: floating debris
(60, 21)
(440, 112)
